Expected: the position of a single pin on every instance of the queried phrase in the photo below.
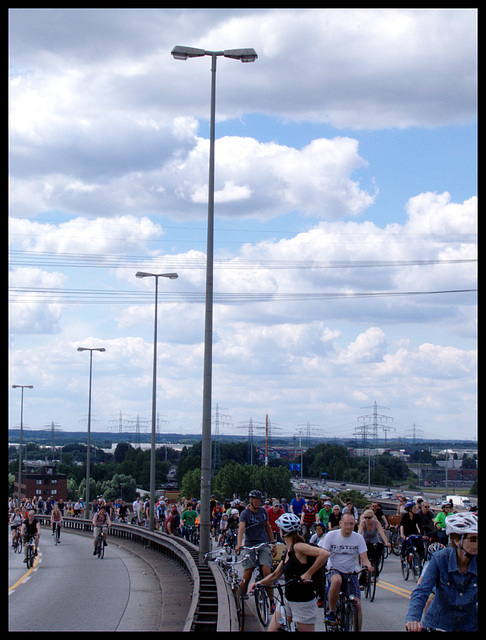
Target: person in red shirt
(274, 512)
(308, 518)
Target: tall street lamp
(88, 452)
(22, 387)
(171, 276)
(245, 55)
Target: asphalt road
(133, 589)
(69, 589)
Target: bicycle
(233, 579)
(262, 599)
(17, 542)
(100, 543)
(285, 621)
(57, 533)
(377, 563)
(411, 560)
(30, 552)
(346, 609)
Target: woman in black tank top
(300, 562)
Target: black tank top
(293, 568)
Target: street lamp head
(144, 274)
(22, 386)
(100, 349)
(245, 55)
(182, 53)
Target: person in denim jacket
(453, 573)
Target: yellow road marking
(394, 589)
(26, 575)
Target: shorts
(261, 557)
(352, 580)
(97, 531)
(305, 612)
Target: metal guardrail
(210, 608)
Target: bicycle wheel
(416, 565)
(372, 578)
(405, 567)
(101, 547)
(262, 603)
(395, 543)
(351, 617)
(30, 556)
(240, 607)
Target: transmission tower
(53, 428)
(217, 423)
(251, 425)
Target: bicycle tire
(262, 605)
(240, 607)
(405, 567)
(351, 617)
(395, 543)
(416, 566)
(30, 557)
(100, 547)
(18, 547)
(372, 581)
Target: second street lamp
(88, 451)
(245, 55)
(171, 276)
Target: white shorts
(304, 612)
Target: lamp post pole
(88, 451)
(172, 276)
(245, 55)
(22, 387)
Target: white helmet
(461, 523)
(288, 522)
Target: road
(69, 589)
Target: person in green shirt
(188, 519)
(324, 513)
(439, 522)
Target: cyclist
(123, 511)
(188, 520)
(31, 529)
(299, 564)
(345, 547)
(56, 521)
(453, 573)
(374, 536)
(100, 519)
(255, 526)
(15, 524)
(440, 523)
(409, 526)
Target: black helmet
(255, 494)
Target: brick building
(40, 479)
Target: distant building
(40, 479)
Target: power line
(49, 295)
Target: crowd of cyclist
(445, 598)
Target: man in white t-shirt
(345, 546)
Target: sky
(345, 226)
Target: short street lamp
(21, 386)
(245, 55)
(171, 276)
